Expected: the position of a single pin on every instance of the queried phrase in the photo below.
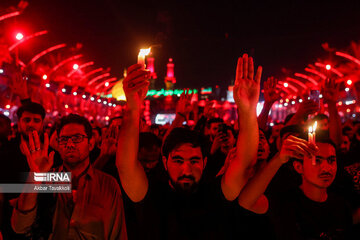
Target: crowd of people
(211, 180)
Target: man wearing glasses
(94, 209)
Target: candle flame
(315, 125)
(144, 51)
(310, 129)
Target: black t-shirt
(294, 216)
(13, 169)
(166, 214)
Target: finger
(140, 86)
(258, 75)
(251, 68)
(31, 142)
(36, 140)
(239, 70)
(266, 84)
(133, 68)
(136, 76)
(245, 66)
(24, 147)
(46, 143)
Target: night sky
(203, 37)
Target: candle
(312, 139)
(141, 56)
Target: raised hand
(271, 95)
(184, 106)
(330, 91)
(38, 158)
(136, 86)
(247, 88)
(109, 141)
(294, 147)
(307, 107)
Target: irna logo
(52, 177)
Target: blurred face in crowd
(30, 122)
(213, 130)
(96, 136)
(276, 130)
(149, 158)
(229, 143)
(185, 166)
(323, 124)
(74, 145)
(263, 149)
(345, 144)
(323, 173)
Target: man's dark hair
(148, 140)
(320, 117)
(179, 136)
(114, 118)
(295, 129)
(213, 120)
(31, 107)
(74, 118)
(5, 119)
(6, 122)
(346, 129)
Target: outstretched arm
(246, 96)
(251, 197)
(331, 93)
(271, 96)
(131, 172)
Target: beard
(186, 188)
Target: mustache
(326, 174)
(186, 177)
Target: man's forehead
(186, 149)
(72, 129)
(27, 114)
(326, 150)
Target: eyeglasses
(78, 138)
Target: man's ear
(91, 143)
(298, 166)
(164, 160)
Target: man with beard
(184, 207)
(94, 209)
(13, 162)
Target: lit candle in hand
(141, 56)
(312, 139)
